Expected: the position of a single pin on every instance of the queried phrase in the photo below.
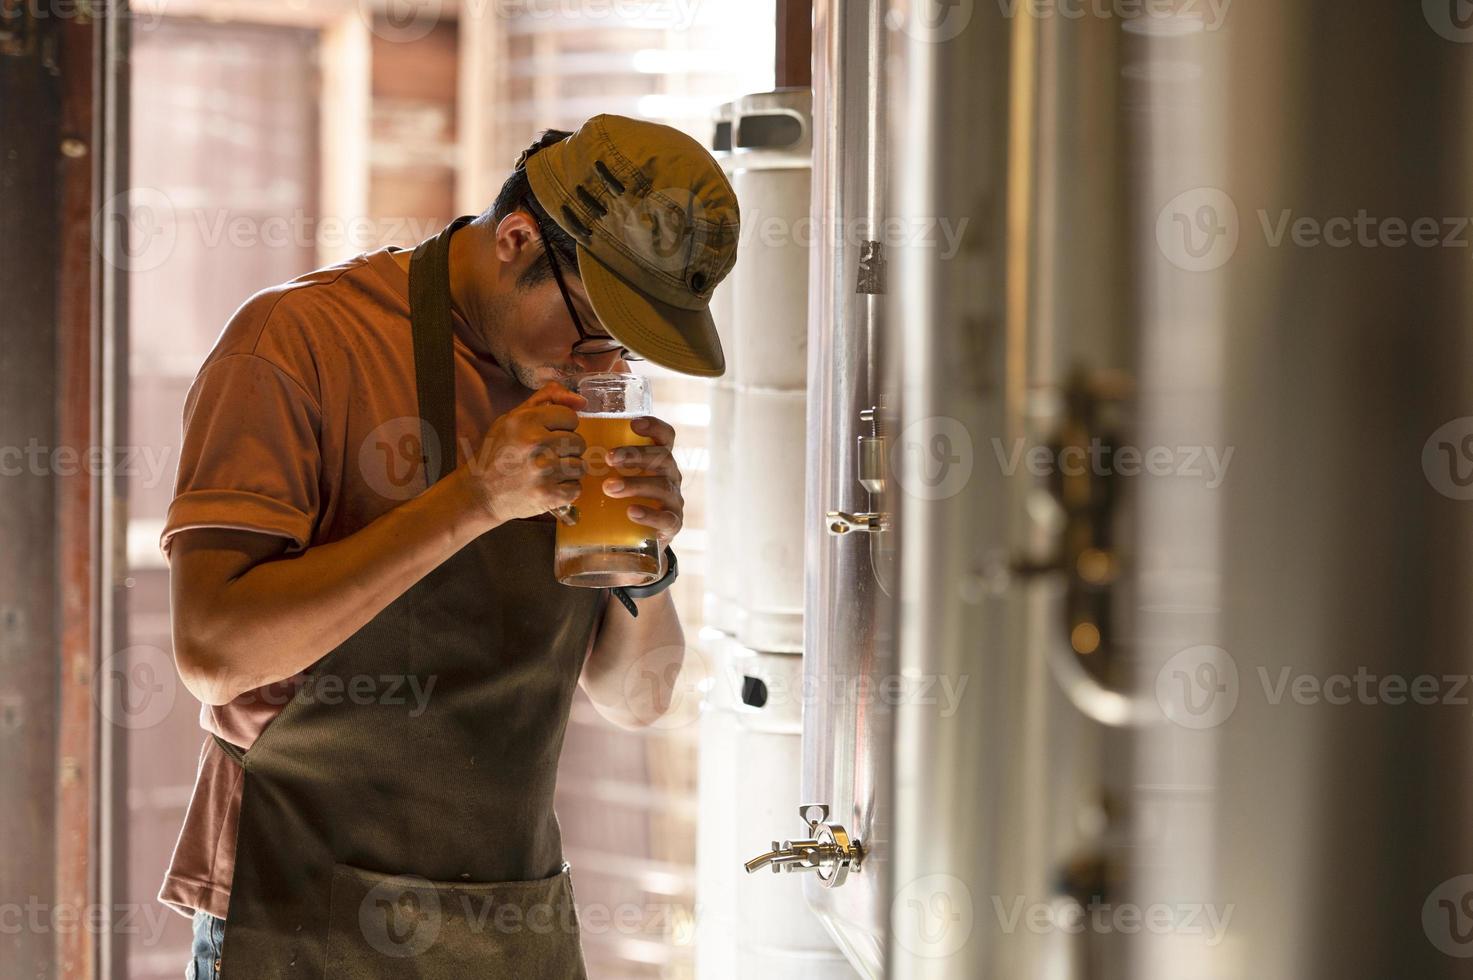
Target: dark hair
(516, 193)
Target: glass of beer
(598, 546)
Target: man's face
(531, 332)
(536, 334)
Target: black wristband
(626, 594)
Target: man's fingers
(665, 521)
(631, 460)
(554, 393)
(554, 416)
(660, 489)
(662, 432)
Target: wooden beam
(29, 128)
(793, 65)
(77, 536)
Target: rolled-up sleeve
(250, 458)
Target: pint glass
(602, 547)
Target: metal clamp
(841, 522)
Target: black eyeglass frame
(586, 344)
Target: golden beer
(605, 548)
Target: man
(361, 568)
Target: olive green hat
(656, 224)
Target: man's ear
(516, 240)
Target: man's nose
(609, 361)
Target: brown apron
(378, 840)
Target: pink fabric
(296, 426)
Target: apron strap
(434, 353)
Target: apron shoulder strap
(434, 352)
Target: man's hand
(649, 472)
(532, 459)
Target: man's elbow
(204, 670)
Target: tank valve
(828, 850)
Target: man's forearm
(635, 665)
(279, 616)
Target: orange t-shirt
(303, 423)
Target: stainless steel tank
(836, 839)
(1193, 749)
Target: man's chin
(543, 375)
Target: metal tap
(828, 851)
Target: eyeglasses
(586, 344)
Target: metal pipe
(846, 730)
